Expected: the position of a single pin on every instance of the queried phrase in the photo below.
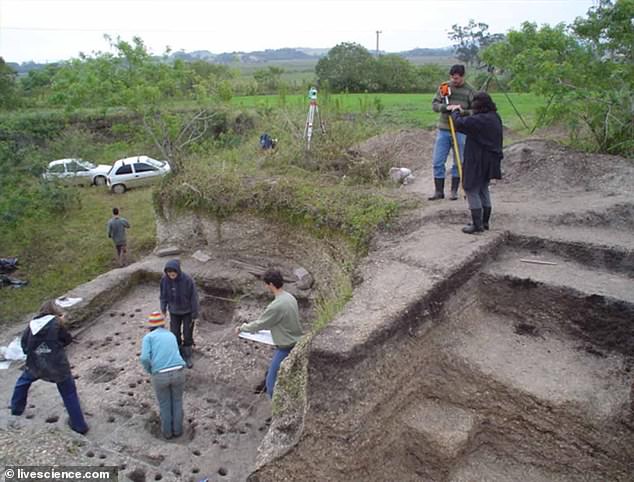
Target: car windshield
(154, 162)
(86, 164)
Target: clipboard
(262, 336)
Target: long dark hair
(51, 308)
(482, 103)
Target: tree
(346, 67)
(609, 30)
(470, 40)
(586, 73)
(394, 74)
(37, 82)
(8, 89)
(130, 77)
(429, 77)
(269, 79)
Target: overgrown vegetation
(586, 72)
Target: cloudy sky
(50, 30)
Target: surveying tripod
(313, 110)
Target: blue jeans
(443, 145)
(168, 388)
(271, 375)
(66, 389)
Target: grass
(412, 110)
(305, 189)
(58, 253)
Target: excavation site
(504, 356)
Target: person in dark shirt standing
(116, 231)
(482, 157)
(179, 296)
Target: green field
(400, 109)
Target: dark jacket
(483, 148)
(43, 341)
(178, 295)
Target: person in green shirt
(461, 95)
(281, 316)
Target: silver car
(134, 172)
(76, 171)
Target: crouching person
(162, 360)
(44, 342)
(281, 316)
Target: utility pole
(378, 32)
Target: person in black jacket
(482, 157)
(43, 341)
(179, 296)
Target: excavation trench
(226, 413)
(508, 369)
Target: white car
(77, 171)
(135, 171)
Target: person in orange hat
(161, 358)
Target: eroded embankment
(496, 368)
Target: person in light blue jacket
(161, 358)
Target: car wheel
(118, 188)
(100, 181)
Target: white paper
(5, 364)
(262, 336)
(67, 302)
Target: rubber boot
(486, 215)
(476, 225)
(455, 184)
(439, 184)
(187, 355)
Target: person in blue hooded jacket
(44, 342)
(180, 298)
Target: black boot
(486, 215)
(439, 193)
(455, 184)
(187, 355)
(476, 225)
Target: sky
(52, 30)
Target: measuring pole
(445, 91)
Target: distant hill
(440, 52)
(259, 56)
(256, 57)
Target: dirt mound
(618, 215)
(546, 165)
(411, 148)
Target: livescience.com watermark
(49, 473)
